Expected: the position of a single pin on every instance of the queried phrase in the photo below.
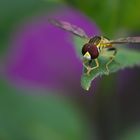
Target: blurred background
(40, 93)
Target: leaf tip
(87, 88)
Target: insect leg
(89, 69)
(111, 57)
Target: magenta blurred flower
(43, 55)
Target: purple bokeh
(42, 55)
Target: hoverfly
(95, 45)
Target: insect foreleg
(89, 68)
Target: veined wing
(126, 40)
(69, 27)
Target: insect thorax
(101, 42)
(95, 40)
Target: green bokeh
(13, 13)
(39, 117)
(111, 15)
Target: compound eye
(85, 48)
(90, 51)
(93, 52)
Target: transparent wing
(126, 40)
(69, 27)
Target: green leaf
(124, 58)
